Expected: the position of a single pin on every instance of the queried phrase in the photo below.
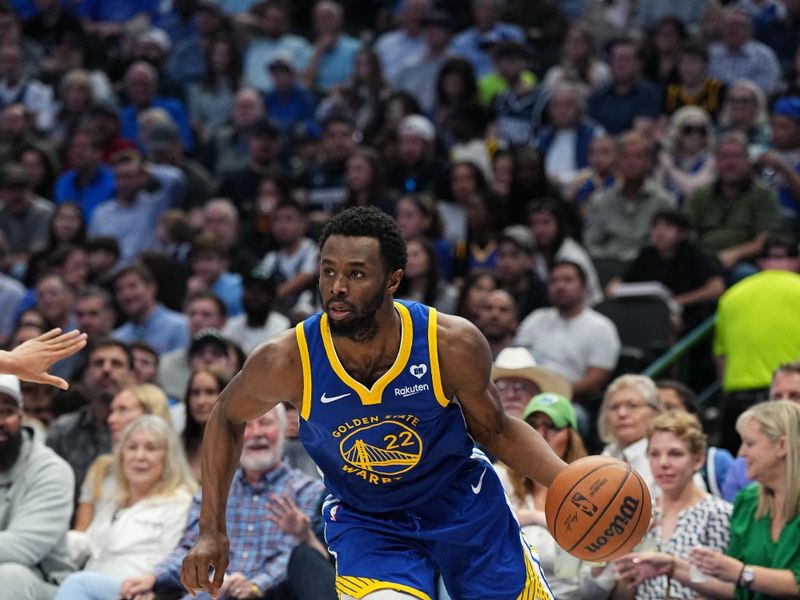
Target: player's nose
(339, 285)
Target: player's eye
(357, 274)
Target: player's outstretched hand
(31, 360)
(210, 550)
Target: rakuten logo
(410, 390)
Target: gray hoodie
(36, 502)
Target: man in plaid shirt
(261, 532)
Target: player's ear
(394, 281)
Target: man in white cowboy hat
(518, 378)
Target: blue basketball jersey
(391, 446)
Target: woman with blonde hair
(686, 161)
(553, 416)
(144, 520)
(685, 516)
(762, 559)
(129, 404)
(630, 403)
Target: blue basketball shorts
(467, 533)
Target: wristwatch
(746, 578)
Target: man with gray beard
(260, 548)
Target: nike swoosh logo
(326, 399)
(476, 489)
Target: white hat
(156, 36)
(519, 362)
(417, 125)
(281, 59)
(9, 385)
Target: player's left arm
(466, 363)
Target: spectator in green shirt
(734, 216)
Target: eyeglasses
(690, 129)
(628, 406)
(742, 100)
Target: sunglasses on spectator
(690, 129)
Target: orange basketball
(598, 508)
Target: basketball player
(392, 397)
(31, 359)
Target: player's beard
(359, 326)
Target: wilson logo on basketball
(627, 511)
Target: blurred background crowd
(608, 189)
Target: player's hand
(716, 564)
(30, 360)
(636, 567)
(289, 518)
(210, 550)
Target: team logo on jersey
(418, 371)
(381, 451)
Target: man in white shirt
(570, 338)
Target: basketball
(598, 508)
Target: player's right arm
(272, 374)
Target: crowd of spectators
(166, 168)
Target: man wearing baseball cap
(780, 164)
(35, 504)
(415, 170)
(515, 247)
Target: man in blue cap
(780, 166)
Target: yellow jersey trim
(433, 347)
(534, 588)
(372, 395)
(305, 362)
(358, 587)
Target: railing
(678, 352)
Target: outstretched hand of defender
(31, 360)
(210, 551)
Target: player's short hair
(368, 221)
